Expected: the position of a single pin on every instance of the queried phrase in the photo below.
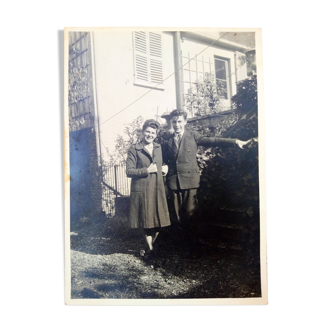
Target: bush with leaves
(246, 96)
(206, 97)
(230, 177)
(133, 134)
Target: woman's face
(149, 135)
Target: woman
(148, 205)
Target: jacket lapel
(182, 143)
(140, 147)
(171, 144)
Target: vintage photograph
(164, 166)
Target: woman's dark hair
(179, 112)
(151, 123)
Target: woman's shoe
(148, 255)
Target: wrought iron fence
(115, 184)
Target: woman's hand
(152, 168)
(164, 170)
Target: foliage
(246, 96)
(230, 177)
(206, 97)
(229, 193)
(203, 154)
(244, 111)
(132, 135)
(79, 87)
(80, 84)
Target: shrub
(206, 97)
(246, 96)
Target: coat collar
(184, 133)
(140, 146)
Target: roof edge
(222, 43)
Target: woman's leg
(149, 241)
(155, 237)
(151, 235)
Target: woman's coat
(148, 205)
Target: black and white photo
(164, 166)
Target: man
(179, 153)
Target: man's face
(178, 123)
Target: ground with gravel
(105, 263)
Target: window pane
(220, 69)
(222, 88)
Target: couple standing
(146, 166)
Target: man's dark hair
(178, 112)
(151, 123)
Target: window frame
(228, 75)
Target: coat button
(188, 150)
(187, 161)
(188, 171)
(178, 172)
(177, 162)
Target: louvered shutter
(148, 58)
(156, 67)
(141, 56)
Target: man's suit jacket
(183, 171)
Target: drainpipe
(95, 100)
(235, 65)
(178, 71)
(236, 69)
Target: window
(148, 59)
(222, 76)
(195, 68)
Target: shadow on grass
(220, 272)
(112, 284)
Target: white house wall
(115, 89)
(194, 48)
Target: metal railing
(115, 184)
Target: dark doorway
(80, 176)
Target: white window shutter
(141, 56)
(156, 67)
(148, 58)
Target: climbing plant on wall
(80, 89)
